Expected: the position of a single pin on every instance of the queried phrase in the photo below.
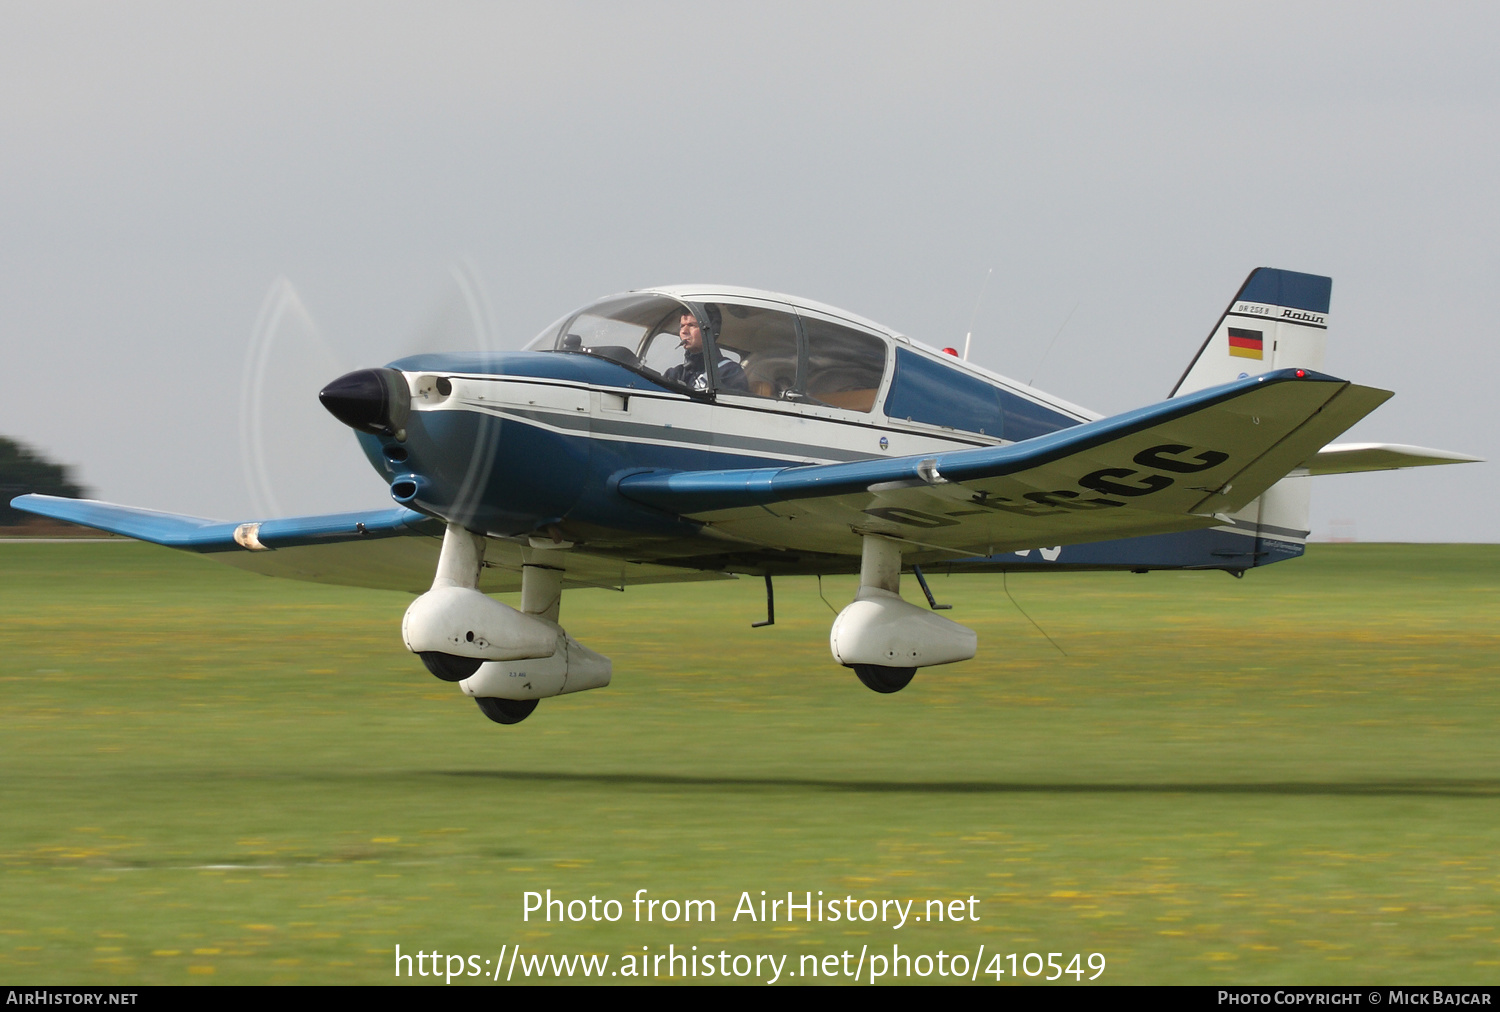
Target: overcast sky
(1121, 168)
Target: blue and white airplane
(704, 432)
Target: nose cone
(376, 401)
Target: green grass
(1293, 778)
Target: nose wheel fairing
(506, 659)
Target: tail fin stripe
(1308, 292)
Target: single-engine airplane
(700, 432)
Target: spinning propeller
(295, 455)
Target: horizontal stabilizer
(1347, 458)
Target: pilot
(692, 372)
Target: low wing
(1347, 458)
(1169, 467)
(198, 534)
(1175, 466)
(392, 549)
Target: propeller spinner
(376, 401)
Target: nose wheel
(882, 678)
(448, 667)
(505, 711)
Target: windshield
(756, 351)
(644, 333)
(614, 327)
(547, 339)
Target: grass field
(209, 776)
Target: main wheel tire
(505, 711)
(448, 667)
(884, 679)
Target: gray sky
(165, 163)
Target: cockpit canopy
(753, 347)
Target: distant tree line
(23, 470)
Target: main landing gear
(885, 639)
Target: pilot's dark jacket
(691, 373)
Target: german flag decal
(1246, 343)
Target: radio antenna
(1048, 350)
(969, 335)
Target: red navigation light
(1301, 373)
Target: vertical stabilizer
(1277, 321)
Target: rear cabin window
(937, 394)
(928, 391)
(1025, 419)
(844, 366)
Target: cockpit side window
(764, 344)
(688, 349)
(844, 366)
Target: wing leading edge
(198, 534)
(390, 549)
(1177, 465)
